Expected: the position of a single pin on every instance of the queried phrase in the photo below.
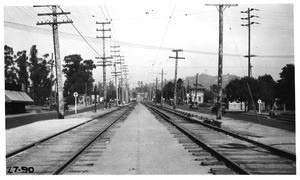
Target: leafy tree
(158, 96)
(181, 90)
(9, 68)
(78, 73)
(237, 90)
(111, 91)
(208, 96)
(267, 91)
(168, 92)
(39, 77)
(22, 72)
(285, 90)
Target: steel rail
(81, 150)
(17, 151)
(235, 167)
(276, 151)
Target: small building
(198, 92)
(16, 99)
(236, 106)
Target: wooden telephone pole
(162, 86)
(156, 82)
(125, 70)
(104, 59)
(175, 80)
(54, 25)
(221, 8)
(115, 73)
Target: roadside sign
(259, 101)
(259, 108)
(75, 94)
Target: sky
(148, 31)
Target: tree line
(35, 73)
(264, 88)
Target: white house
(196, 95)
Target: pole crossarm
(54, 24)
(103, 37)
(249, 23)
(43, 5)
(102, 22)
(103, 29)
(107, 57)
(51, 23)
(52, 14)
(221, 4)
(175, 79)
(221, 8)
(176, 57)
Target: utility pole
(51, 79)
(156, 82)
(104, 61)
(175, 80)
(153, 94)
(95, 100)
(196, 87)
(85, 93)
(125, 70)
(221, 8)
(115, 73)
(162, 86)
(249, 25)
(121, 62)
(54, 24)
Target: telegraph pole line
(175, 80)
(221, 8)
(115, 72)
(125, 68)
(156, 82)
(162, 86)
(54, 24)
(153, 91)
(121, 62)
(104, 59)
(249, 27)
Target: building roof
(199, 87)
(17, 96)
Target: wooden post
(175, 80)
(54, 25)
(221, 8)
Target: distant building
(16, 99)
(236, 106)
(199, 95)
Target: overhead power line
(82, 35)
(128, 44)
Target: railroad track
(56, 153)
(241, 155)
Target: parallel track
(242, 155)
(54, 154)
